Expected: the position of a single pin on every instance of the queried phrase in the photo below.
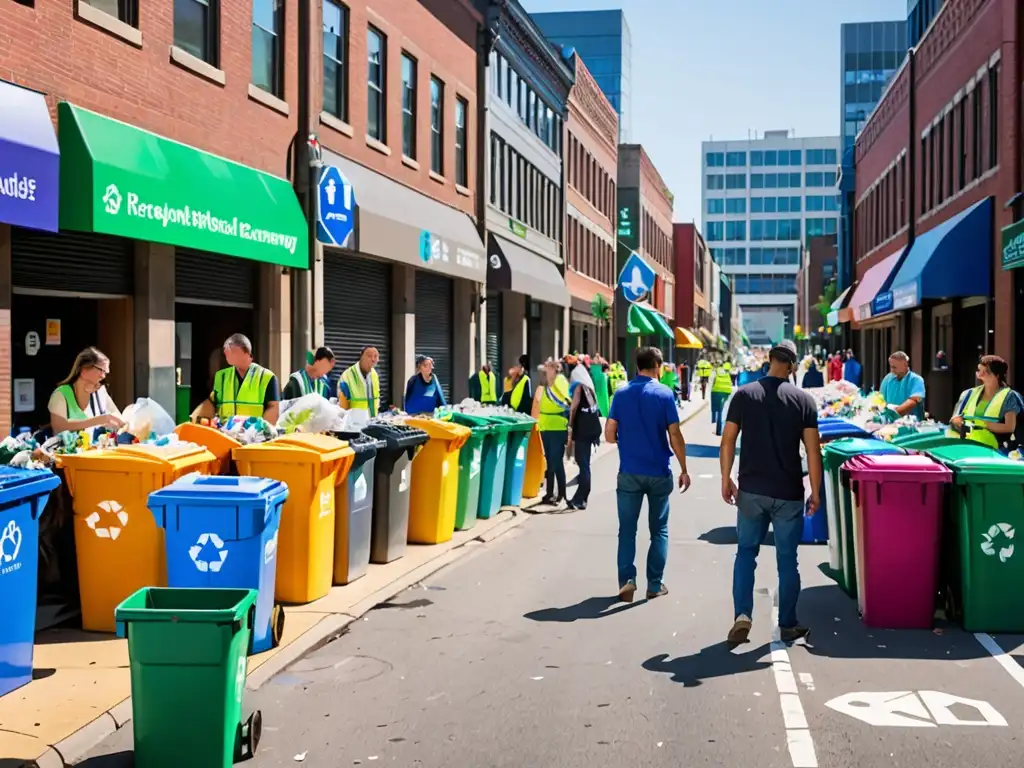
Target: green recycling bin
(467, 504)
(983, 568)
(923, 441)
(187, 651)
(520, 427)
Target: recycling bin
(841, 552)
(23, 496)
(983, 567)
(187, 653)
(467, 504)
(353, 517)
(897, 526)
(535, 467)
(216, 442)
(312, 466)
(435, 481)
(389, 533)
(924, 441)
(222, 532)
(119, 547)
(834, 430)
(521, 429)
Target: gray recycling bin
(354, 509)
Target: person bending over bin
(244, 388)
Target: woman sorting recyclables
(423, 393)
(987, 414)
(81, 401)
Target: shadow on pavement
(726, 536)
(591, 608)
(115, 760)
(714, 661)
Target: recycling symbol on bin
(474, 463)
(201, 554)
(359, 490)
(10, 544)
(992, 540)
(270, 549)
(107, 509)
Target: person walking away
(551, 410)
(670, 379)
(704, 374)
(853, 372)
(519, 395)
(423, 392)
(989, 411)
(483, 386)
(721, 388)
(243, 388)
(684, 382)
(644, 423)
(359, 385)
(584, 431)
(902, 389)
(81, 401)
(812, 377)
(312, 378)
(835, 367)
(775, 416)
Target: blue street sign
(636, 279)
(336, 209)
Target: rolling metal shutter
(213, 278)
(73, 262)
(357, 313)
(434, 298)
(494, 333)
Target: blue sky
(719, 68)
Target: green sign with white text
(517, 229)
(1013, 245)
(117, 179)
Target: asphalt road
(516, 656)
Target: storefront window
(266, 46)
(195, 28)
(335, 32)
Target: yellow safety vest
(727, 367)
(979, 429)
(358, 400)
(518, 390)
(703, 369)
(245, 400)
(554, 406)
(488, 387)
(722, 383)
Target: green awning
(653, 320)
(638, 323)
(117, 179)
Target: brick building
(691, 266)
(818, 267)
(936, 165)
(591, 163)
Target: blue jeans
(754, 513)
(554, 454)
(630, 492)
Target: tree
(825, 301)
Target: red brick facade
(656, 202)
(691, 267)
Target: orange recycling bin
(434, 488)
(533, 477)
(312, 466)
(213, 440)
(119, 547)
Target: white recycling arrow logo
(109, 509)
(359, 488)
(521, 453)
(10, 543)
(991, 540)
(270, 549)
(474, 463)
(213, 566)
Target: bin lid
(201, 434)
(902, 468)
(952, 453)
(848, 447)
(518, 422)
(397, 436)
(298, 447)
(121, 458)
(173, 604)
(469, 419)
(17, 483)
(455, 435)
(219, 489)
(991, 469)
(841, 428)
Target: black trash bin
(392, 476)
(354, 509)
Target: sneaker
(740, 632)
(790, 634)
(662, 591)
(626, 591)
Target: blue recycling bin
(834, 429)
(23, 495)
(221, 532)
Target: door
(434, 326)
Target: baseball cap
(784, 348)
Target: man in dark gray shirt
(775, 416)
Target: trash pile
(841, 399)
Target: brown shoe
(626, 591)
(791, 634)
(659, 593)
(740, 632)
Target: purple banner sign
(29, 160)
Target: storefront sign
(905, 296)
(863, 312)
(517, 229)
(121, 180)
(53, 333)
(29, 160)
(437, 250)
(636, 279)
(336, 212)
(882, 303)
(1013, 246)
(625, 222)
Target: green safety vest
(979, 430)
(554, 406)
(669, 379)
(488, 387)
(358, 399)
(75, 412)
(245, 400)
(310, 386)
(722, 383)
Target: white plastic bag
(146, 417)
(309, 413)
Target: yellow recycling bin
(120, 548)
(312, 466)
(536, 466)
(434, 488)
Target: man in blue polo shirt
(643, 422)
(903, 389)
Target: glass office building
(871, 54)
(919, 15)
(603, 41)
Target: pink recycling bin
(897, 532)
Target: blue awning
(951, 260)
(29, 160)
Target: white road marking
(907, 709)
(807, 680)
(1006, 661)
(798, 735)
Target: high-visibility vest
(358, 399)
(669, 379)
(310, 386)
(554, 406)
(518, 390)
(703, 368)
(979, 429)
(727, 367)
(722, 383)
(488, 387)
(245, 399)
(75, 412)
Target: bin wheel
(276, 625)
(252, 732)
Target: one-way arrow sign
(907, 709)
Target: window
(831, 157)
(409, 68)
(794, 157)
(716, 181)
(775, 229)
(976, 132)
(437, 127)
(757, 157)
(815, 157)
(461, 156)
(815, 179)
(757, 205)
(736, 230)
(716, 205)
(771, 157)
(736, 159)
(961, 131)
(817, 227)
(267, 62)
(771, 204)
(815, 203)
(735, 181)
(939, 167)
(993, 117)
(376, 103)
(714, 159)
(756, 180)
(715, 231)
(736, 205)
(195, 28)
(335, 23)
(126, 11)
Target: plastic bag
(349, 421)
(309, 413)
(146, 418)
(248, 429)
